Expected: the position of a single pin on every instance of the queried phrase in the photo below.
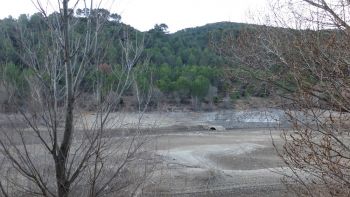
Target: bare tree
(60, 151)
(303, 55)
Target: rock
(214, 128)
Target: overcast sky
(144, 14)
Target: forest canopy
(183, 65)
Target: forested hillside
(180, 68)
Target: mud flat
(224, 153)
(227, 153)
(230, 163)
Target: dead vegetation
(49, 155)
(306, 63)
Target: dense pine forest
(177, 69)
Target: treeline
(183, 68)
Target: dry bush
(304, 57)
(59, 150)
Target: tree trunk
(61, 159)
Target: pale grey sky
(144, 14)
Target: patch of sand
(202, 155)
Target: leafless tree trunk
(303, 54)
(61, 151)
